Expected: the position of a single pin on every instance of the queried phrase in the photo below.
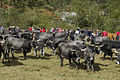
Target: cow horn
(83, 49)
(2, 41)
(56, 42)
(100, 45)
(97, 43)
(72, 50)
(50, 41)
(38, 40)
(114, 50)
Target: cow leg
(92, 66)
(93, 70)
(53, 51)
(74, 60)
(0, 54)
(69, 62)
(3, 57)
(61, 60)
(40, 53)
(43, 52)
(24, 55)
(78, 61)
(111, 57)
(88, 66)
(7, 54)
(104, 56)
(12, 54)
(35, 52)
(85, 64)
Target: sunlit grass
(48, 68)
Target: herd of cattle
(60, 44)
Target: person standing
(117, 35)
(44, 30)
(30, 29)
(72, 32)
(104, 33)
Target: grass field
(48, 68)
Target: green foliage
(94, 14)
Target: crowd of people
(70, 32)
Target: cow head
(97, 48)
(118, 58)
(76, 53)
(2, 39)
(2, 42)
(81, 45)
(89, 55)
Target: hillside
(97, 14)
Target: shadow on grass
(12, 62)
(83, 67)
(34, 57)
(48, 55)
(107, 58)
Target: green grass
(48, 68)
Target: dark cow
(89, 58)
(44, 35)
(118, 59)
(117, 55)
(39, 41)
(19, 44)
(87, 52)
(53, 42)
(26, 35)
(2, 50)
(64, 51)
(3, 47)
(59, 35)
(39, 45)
(76, 52)
(97, 39)
(79, 36)
(107, 47)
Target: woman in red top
(30, 29)
(117, 37)
(40, 30)
(44, 30)
(104, 33)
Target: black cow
(39, 45)
(107, 47)
(117, 55)
(59, 35)
(26, 35)
(53, 42)
(89, 57)
(3, 48)
(79, 36)
(65, 51)
(19, 44)
(97, 39)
